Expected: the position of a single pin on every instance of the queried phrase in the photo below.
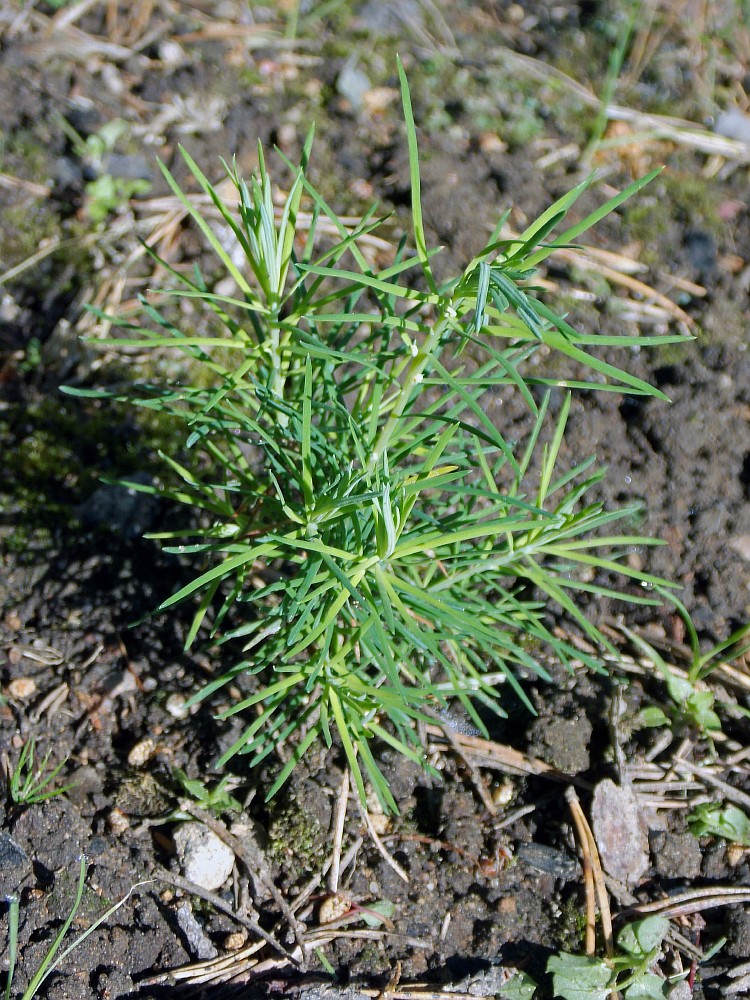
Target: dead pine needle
(595, 888)
(339, 818)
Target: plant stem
(411, 378)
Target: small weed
(725, 821)
(27, 785)
(694, 704)
(393, 549)
(106, 194)
(217, 799)
(584, 977)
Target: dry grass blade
(596, 890)
(499, 757)
(619, 270)
(379, 845)
(692, 901)
(706, 774)
(660, 127)
(339, 818)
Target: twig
(379, 845)
(339, 818)
(730, 792)
(579, 822)
(218, 903)
(692, 901)
(595, 880)
(499, 757)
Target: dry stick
(339, 818)
(216, 901)
(379, 843)
(598, 875)
(499, 757)
(579, 821)
(730, 792)
(692, 901)
(299, 901)
(257, 870)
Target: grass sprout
(367, 534)
(29, 783)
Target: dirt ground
(480, 871)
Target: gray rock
(733, 124)
(353, 83)
(14, 865)
(195, 937)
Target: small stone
(142, 752)
(117, 821)
(353, 84)
(22, 688)
(235, 940)
(680, 991)
(175, 705)
(205, 858)
(620, 834)
(334, 907)
(172, 53)
(14, 864)
(195, 937)
(121, 509)
(741, 545)
(733, 124)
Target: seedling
(106, 194)
(367, 532)
(216, 799)
(726, 821)
(583, 977)
(28, 785)
(692, 700)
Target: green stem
(412, 377)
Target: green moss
(675, 199)
(571, 925)
(55, 453)
(296, 839)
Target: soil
(480, 889)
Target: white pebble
(205, 858)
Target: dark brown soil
(482, 890)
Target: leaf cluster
(584, 977)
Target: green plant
(106, 194)
(616, 58)
(376, 536)
(50, 962)
(726, 821)
(27, 785)
(693, 701)
(297, 24)
(219, 798)
(628, 971)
